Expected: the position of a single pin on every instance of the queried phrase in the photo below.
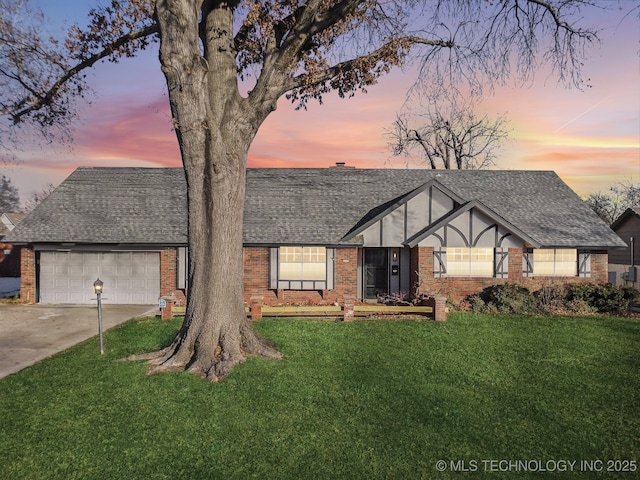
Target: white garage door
(129, 277)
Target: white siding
(371, 235)
(393, 228)
(417, 213)
(441, 204)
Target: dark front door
(376, 273)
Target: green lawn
(350, 400)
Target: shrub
(606, 298)
(511, 298)
(403, 299)
(552, 297)
(580, 307)
(476, 304)
(395, 299)
(581, 291)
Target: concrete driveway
(30, 333)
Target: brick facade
(256, 280)
(28, 275)
(458, 288)
(169, 276)
(168, 271)
(256, 277)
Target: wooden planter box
(369, 310)
(315, 311)
(337, 311)
(330, 311)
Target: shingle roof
(300, 206)
(111, 205)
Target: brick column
(256, 308)
(515, 265)
(348, 312)
(440, 308)
(599, 267)
(168, 270)
(422, 279)
(28, 275)
(166, 313)
(439, 305)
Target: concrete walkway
(30, 333)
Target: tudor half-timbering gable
(434, 216)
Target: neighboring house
(316, 235)
(623, 263)
(9, 258)
(9, 221)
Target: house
(623, 262)
(316, 235)
(8, 222)
(9, 258)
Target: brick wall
(168, 270)
(256, 280)
(458, 288)
(256, 272)
(256, 276)
(599, 267)
(28, 275)
(346, 272)
(422, 280)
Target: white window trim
(468, 252)
(277, 283)
(555, 263)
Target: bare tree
(302, 49)
(609, 206)
(449, 137)
(38, 197)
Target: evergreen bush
(511, 298)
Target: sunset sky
(591, 138)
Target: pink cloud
(127, 130)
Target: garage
(129, 277)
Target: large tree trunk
(215, 334)
(215, 131)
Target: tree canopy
(304, 48)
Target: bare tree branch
(449, 137)
(39, 100)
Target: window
(303, 263)
(469, 262)
(557, 262)
(301, 268)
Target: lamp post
(97, 288)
